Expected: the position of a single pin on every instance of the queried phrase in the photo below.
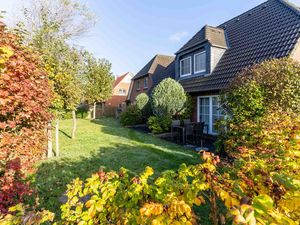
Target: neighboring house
(158, 68)
(121, 87)
(209, 61)
(117, 103)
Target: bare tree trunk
(94, 110)
(49, 136)
(74, 124)
(57, 138)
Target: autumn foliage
(24, 101)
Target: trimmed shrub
(272, 87)
(262, 139)
(143, 104)
(168, 98)
(132, 116)
(188, 108)
(141, 101)
(159, 124)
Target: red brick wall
(135, 92)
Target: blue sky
(130, 32)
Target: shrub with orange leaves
(24, 101)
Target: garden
(55, 170)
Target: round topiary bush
(143, 104)
(142, 100)
(168, 98)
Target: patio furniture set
(187, 132)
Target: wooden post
(74, 124)
(57, 138)
(94, 110)
(49, 135)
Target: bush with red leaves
(24, 102)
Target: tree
(51, 24)
(168, 98)
(24, 101)
(68, 18)
(99, 80)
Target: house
(209, 61)
(158, 68)
(121, 87)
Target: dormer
(200, 55)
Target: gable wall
(135, 92)
(296, 52)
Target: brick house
(121, 87)
(208, 62)
(158, 68)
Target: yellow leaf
(99, 206)
(89, 203)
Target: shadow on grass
(64, 133)
(53, 175)
(127, 148)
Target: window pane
(215, 101)
(200, 62)
(185, 66)
(215, 110)
(204, 110)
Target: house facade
(158, 68)
(121, 88)
(211, 59)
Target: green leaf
(262, 204)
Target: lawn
(103, 144)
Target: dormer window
(186, 66)
(200, 62)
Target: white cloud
(178, 36)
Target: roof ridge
(291, 6)
(162, 55)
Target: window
(146, 82)
(122, 92)
(200, 62)
(209, 112)
(185, 66)
(138, 85)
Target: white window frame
(210, 125)
(122, 91)
(188, 74)
(138, 85)
(199, 71)
(146, 79)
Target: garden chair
(174, 124)
(189, 130)
(198, 133)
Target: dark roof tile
(270, 30)
(154, 65)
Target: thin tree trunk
(74, 124)
(94, 110)
(49, 135)
(57, 138)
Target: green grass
(103, 144)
